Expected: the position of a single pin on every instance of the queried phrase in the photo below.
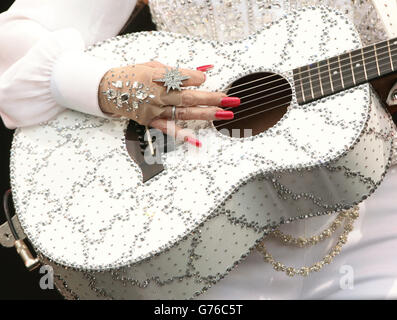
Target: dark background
(15, 281)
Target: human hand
(132, 91)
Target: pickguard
(137, 147)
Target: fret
(311, 84)
(330, 76)
(306, 83)
(392, 47)
(351, 68)
(358, 67)
(300, 96)
(390, 56)
(340, 72)
(319, 78)
(363, 61)
(325, 76)
(385, 57)
(376, 59)
(345, 71)
(315, 86)
(301, 82)
(335, 74)
(370, 63)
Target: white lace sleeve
(54, 73)
(43, 67)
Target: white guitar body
(81, 201)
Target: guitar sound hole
(265, 98)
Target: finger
(154, 64)
(196, 77)
(171, 129)
(198, 113)
(188, 98)
(206, 98)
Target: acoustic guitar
(311, 137)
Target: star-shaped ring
(172, 79)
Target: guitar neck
(345, 71)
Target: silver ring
(173, 113)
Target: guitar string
(287, 85)
(251, 115)
(254, 114)
(262, 111)
(328, 70)
(269, 102)
(253, 107)
(360, 54)
(311, 76)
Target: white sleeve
(43, 68)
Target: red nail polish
(226, 115)
(230, 102)
(205, 68)
(193, 141)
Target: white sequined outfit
(366, 268)
(232, 19)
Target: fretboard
(345, 71)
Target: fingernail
(224, 115)
(205, 68)
(230, 102)
(193, 141)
